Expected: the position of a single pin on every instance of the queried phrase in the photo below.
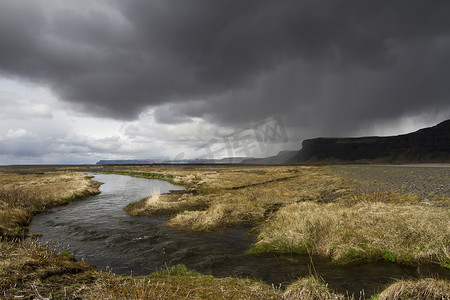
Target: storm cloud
(330, 64)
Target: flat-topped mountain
(428, 145)
(205, 161)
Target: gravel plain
(429, 184)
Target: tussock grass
(28, 268)
(313, 210)
(224, 210)
(363, 232)
(307, 210)
(22, 195)
(218, 198)
(423, 289)
(138, 208)
(166, 204)
(311, 288)
(178, 283)
(27, 263)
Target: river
(99, 231)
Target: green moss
(36, 235)
(177, 271)
(75, 286)
(389, 256)
(446, 264)
(23, 229)
(279, 246)
(67, 255)
(262, 248)
(15, 232)
(406, 259)
(353, 255)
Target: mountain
(428, 145)
(226, 160)
(281, 158)
(126, 162)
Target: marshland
(366, 218)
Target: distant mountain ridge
(281, 158)
(226, 160)
(427, 145)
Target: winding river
(99, 231)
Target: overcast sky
(83, 80)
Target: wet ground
(99, 231)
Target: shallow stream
(98, 230)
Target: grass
(310, 210)
(307, 210)
(367, 231)
(424, 289)
(178, 283)
(166, 204)
(23, 195)
(222, 197)
(25, 264)
(311, 288)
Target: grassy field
(221, 197)
(24, 193)
(28, 266)
(339, 212)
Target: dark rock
(428, 145)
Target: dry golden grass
(31, 270)
(181, 283)
(364, 232)
(22, 195)
(170, 204)
(307, 210)
(28, 268)
(423, 289)
(311, 288)
(26, 265)
(221, 197)
(177, 283)
(299, 209)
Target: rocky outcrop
(428, 145)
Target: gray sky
(107, 79)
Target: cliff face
(423, 146)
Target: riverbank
(30, 268)
(24, 194)
(351, 214)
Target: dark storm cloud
(337, 63)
